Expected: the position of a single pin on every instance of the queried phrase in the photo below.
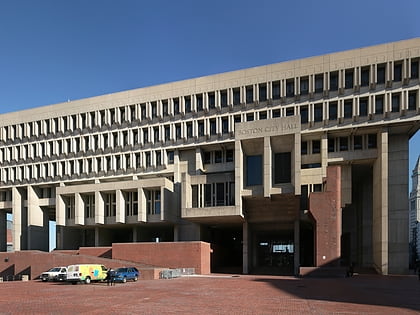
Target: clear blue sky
(52, 51)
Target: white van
(86, 273)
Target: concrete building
(300, 163)
(414, 206)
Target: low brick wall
(168, 255)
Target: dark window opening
(304, 86)
(319, 83)
(304, 114)
(218, 157)
(223, 98)
(304, 148)
(290, 111)
(412, 100)
(249, 91)
(379, 105)
(331, 144)
(365, 77)
(414, 70)
(229, 156)
(316, 146)
(372, 141)
(349, 79)
(254, 170)
(276, 113)
(262, 91)
(333, 81)
(236, 97)
(263, 115)
(276, 90)
(380, 74)
(358, 144)
(395, 103)
(348, 109)
(282, 168)
(212, 101)
(290, 88)
(397, 72)
(318, 112)
(363, 107)
(187, 104)
(344, 144)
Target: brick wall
(171, 255)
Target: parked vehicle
(55, 274)
(126, 273)
(86, 273)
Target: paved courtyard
(218, 294)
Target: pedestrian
(110, 277)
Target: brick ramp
(34, 263)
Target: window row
(345, 143)
(95, 165)
(213, 195)
(317, 83)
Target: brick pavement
(218, 294)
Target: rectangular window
(212, 127)
(236, 96)
(165, 108)
(249, 91)
(187, 104)
(276, 90)
(194, 193)
(170, 156)
(365, 77)
(176, 106)
(230, 156)
(290, 88)
(223, 98)
(348, 109)
(318, 112)
(262, 91)
(333, 81)
(218, 157)
(263, 115)
(207, 157)
(363, 107)
(304, 114)
(395, 103)
(254, 170)
(414, 69)
(225, 125)
(153, 201)
(220, 194)
(380, 74)
(290, 111)
(349, 79)
(304, 86)
(207, 195)
(316, 146)
(250, 117)
(110, 205)
(154, 110)
(333, 110)
(358, 144)
(344, 144)
(412, 100)
(304, 148)
(372, 141)
(397, 72)
(319, 83)
(379, 104)
(331, 144)
(189, 130)
(212, 102)
(276, 113)
(282, 168)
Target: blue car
(126, 273)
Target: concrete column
(99, 208)
(296, 163)
(239, 177)
(398, 259)
(120, 206)
(97, 237)
(324, 154)
(60, 210)
(267, 167)
(19, 220)
(380, 206)
(142, 214)
(135, 237)
(3, 231)
(79, 209)
(38, 227)
(245, 248)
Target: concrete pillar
(38, 227)
(239, 176)
(245, 248)
(120, 206)
(267, 167)
(380, 205)
(19, 220)
(79, 209)
(398, 259)
(142, 214)
(296, 163)
(60, 211)
(97, 237)
(99, 208)
(3, 231)
(135, 237)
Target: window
(148, 159)
(276, 90)
(177, 131)
(176, 106)
(250, 117)
(318, 112)
(414, 69)
(372, 141)
(304, 86)
(229, 156)
(131, 203)
(194, 193)
(304, 148)
(397, 72)
(358, 145)
(262, 91)
(316, 146)
(276, 113)
(348, 109)
(363, 107)
(236, 96)
(249, 91)
(379, 104)
(254, 170)
(218, 157)
(170, 156)
(70, 212)
(153, 201)
(380, 74)
(110, 205)
(154, 110)
(187, 104)
(189, 130)
(344, 144)
(290, 88)
(331, 144)
(223, 98)
(412, 100)
(165, 108)
(212, 102)
(290, 111)
(89, 202)
(304, 114)
(333, 81)
(158, 158)
(349, 79)
(365, 77)
(201, 128)
(207, 157)
(212, 126)
(263, 115)
(167, 130)
(282, 168)
(319, 83)
(156, 134)
(145, 135)
(395, 103)
(225, 125)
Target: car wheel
(87, 280)
(136, 278)
(73, 282)
(124, 280)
